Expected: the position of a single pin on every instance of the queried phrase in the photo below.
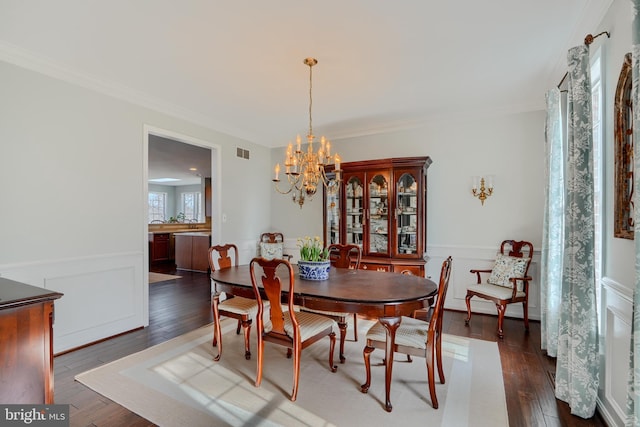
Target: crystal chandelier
(305, 170)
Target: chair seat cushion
(411, 333)
(494, 291)
(240, 305)
(310, 324)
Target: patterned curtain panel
(551, 262)
(633, 400)
(578, 364)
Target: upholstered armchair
(507, 282)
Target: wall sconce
(485, 190)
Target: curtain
(577, 366)
(633, 399)
(551, 261)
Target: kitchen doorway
(181, 148)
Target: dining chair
(284, 326)
(235, 307)
(508, 282)
(272, 246)
(415, 337)
(343, 256)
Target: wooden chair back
(221, 255)
(345, 256)
(435, 324)
(518, 249)
(272, 288)
(272, 238)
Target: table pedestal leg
(391, 324)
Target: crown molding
(25, 59)
(390, 126)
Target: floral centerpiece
(314, 259)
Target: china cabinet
(381, 206)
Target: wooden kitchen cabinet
(160, 247)
(381, 206)
(26, 352)
(192, 250)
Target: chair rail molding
(104, 294)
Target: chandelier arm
(280, 191)
(294, 184)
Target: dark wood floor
(182, 305)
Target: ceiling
(237, 67)
(186, 164)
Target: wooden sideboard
(26, 337)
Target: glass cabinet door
(407, 214)
(332, 214)
(354, 210)
(378, 215)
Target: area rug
(177, 383)
(160, 277)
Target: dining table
(385, 296)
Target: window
(597, 99)
(157, 206)
(191, 206)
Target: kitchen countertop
(192, 230)
(194, 233)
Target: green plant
(312, 249)
(178, 218)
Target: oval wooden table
(382, 295)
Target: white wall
(509, 146)
(73, 207)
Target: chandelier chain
(310, 99)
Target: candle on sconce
(476, 180)
(298, 142)
(490, 181)
(328, 148)
(277, 171)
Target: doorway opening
(191, 202)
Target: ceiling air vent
(242, 153)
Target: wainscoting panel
(467, 258)
(617, 309)
(103, 295)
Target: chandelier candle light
(305, 171)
